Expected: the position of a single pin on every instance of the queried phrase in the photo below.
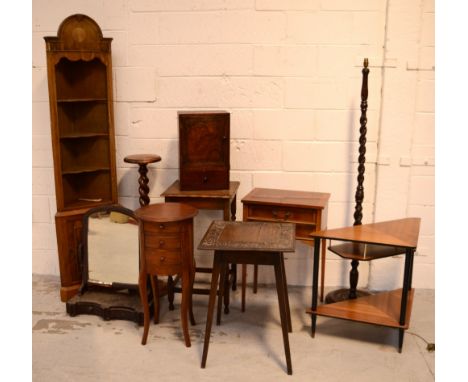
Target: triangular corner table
(365, 242)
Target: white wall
(289, 72)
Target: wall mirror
(110, 266)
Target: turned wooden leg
(211, 304)
(143, 182)
(155, 289)
(144, 300)
(186, 289)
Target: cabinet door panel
(204, 151)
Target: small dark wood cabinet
(204, 139)
(79, 72)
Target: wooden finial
(366, 62)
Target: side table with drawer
(166, 249)
(308, 210)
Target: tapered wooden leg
(155, 289)
(211, 304)
(255, 281)
(192, 280)
(244, 285)
(227, 289)
(170, 292)
(285, 287)
(401, 335)
(314, 323)
(221, 291)
(144, 301)
(280, 287)
(322, 269)
(186, 289)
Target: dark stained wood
(308, 210)
(380, 309)
(204, 145)
(249, 236)
(108, 304)
(249, 243)
(142, 160)
(224, 200)
(400, 233)
(362, 146)
(359, 196)
(161, 227)
(109, 301)
(79, 73)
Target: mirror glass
(112, 248)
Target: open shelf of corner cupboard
(79, 73)
(365, 243)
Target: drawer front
(162, 241)
(207, 179)
(162, 262)
(280, 213)
(161, 228)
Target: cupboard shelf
(83, 135)
(84, 170)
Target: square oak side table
(249, 243)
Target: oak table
(249, 243)
(365, 243)
(308, 210)
(143, 160)
(224, 200)
(166, 249)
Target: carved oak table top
(249, 236)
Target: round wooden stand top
(166, 212)
(142, 158)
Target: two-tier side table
(365, 243)
(224, 200)
(307, 210)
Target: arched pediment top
(79, 32)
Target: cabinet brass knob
(161, 226)
(205, 179)
(161, 243)
(162, 258)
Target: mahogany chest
(204, 139)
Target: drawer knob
(205, 179)
(287, 215)
(275, 214)
(161, 226)
(161, 243)
(162, 259)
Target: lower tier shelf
(379, 309)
